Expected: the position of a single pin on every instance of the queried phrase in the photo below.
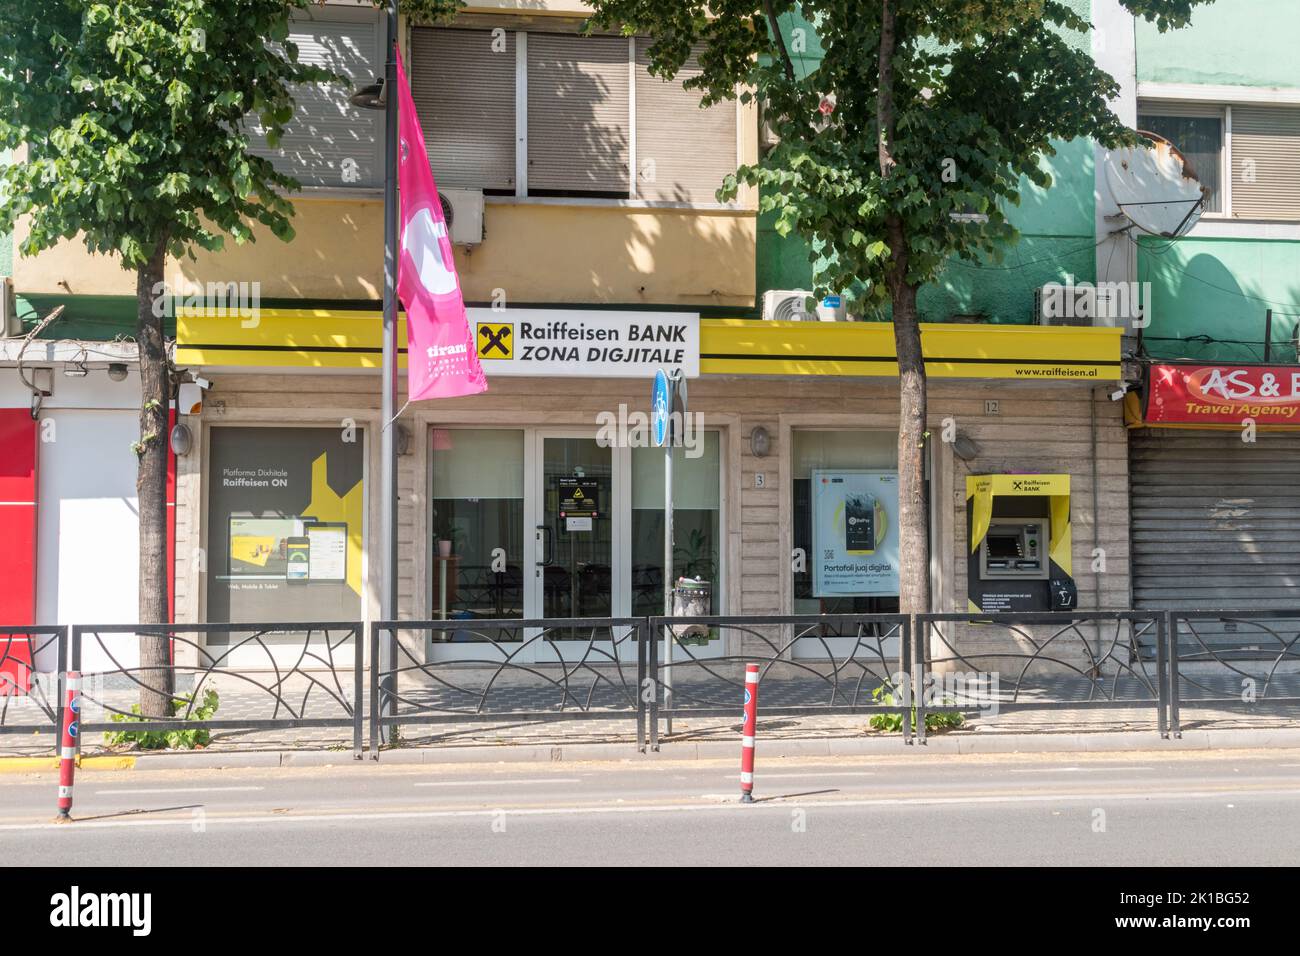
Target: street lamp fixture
(371, 96)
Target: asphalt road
(1206, 809)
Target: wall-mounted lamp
(182, 439)
(965, 447)
(117, 371)
(760, 442)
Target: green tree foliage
(919, 109)
(130, 121)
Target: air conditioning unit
(10, 325)
(791, 305)
(463, 210)
(1057, 304)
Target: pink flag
(441, 357)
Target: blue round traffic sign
(660, 405)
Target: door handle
(545, 545)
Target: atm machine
(1019, 543)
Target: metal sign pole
(668, 578)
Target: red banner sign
(1223, 394)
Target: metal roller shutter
(1266, 162)
(1215, 520)
(683, 151)
(328, 134)
(463, 84)
(578, 114)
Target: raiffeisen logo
(77, 909)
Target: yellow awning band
(340, 339)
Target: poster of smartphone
(854, 533)
(860, 524)
(329, 551)
(297, 560)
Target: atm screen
(1003, 546)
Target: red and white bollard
(68, 747)
(747, 740)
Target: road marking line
(1082, 770)
(760, 775)
(110, 793)
(782, 805)
(485, 783)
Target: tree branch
(770, 11)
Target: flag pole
(388, 403)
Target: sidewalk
(609, 718)
(1074, 730)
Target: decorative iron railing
(1065, 660)
(507, 670)
(855, 664)
(268, 676)
(650, 670)
(1246, 660)
(31, 669)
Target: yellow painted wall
(535, 252)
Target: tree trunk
(156, 674)
(913, 516)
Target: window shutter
(328, 134)
(464, 91)
(683, 151)
(578, 105)
(1266, 162)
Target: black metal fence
(1071, 660)
(1239, 660)
(649, 671)
(853, 664)
(268, 676)
(505, 671)
(31, 671)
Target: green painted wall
(1209, 298)
(1234, 42)
(1057, 240)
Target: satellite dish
(1155, 187)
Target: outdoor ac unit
(10, 325)
(1065, 304)
(790, 305)
(463, 210)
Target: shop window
(477, 525)
(285, 525)
(845, 527)
(696, 526)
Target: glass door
(577, 537)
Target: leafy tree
(131, 116)
(918, 110)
